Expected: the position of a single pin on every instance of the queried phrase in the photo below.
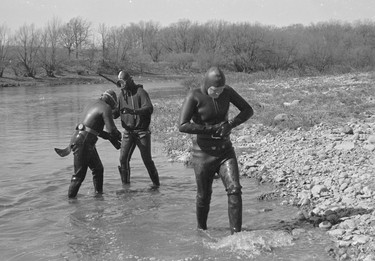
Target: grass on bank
(332, 100)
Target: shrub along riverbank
(313, 138)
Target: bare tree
(148, 32)
(119, 46)
(212, 43)
(279, 50)
(243, 47)
(181, 37)
(103, 31)
(28, 43)
(213, 34)
(49, 48)
(75, 34)
(4, 48)
(67, 39)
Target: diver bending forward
(96, 115)
(205, 113)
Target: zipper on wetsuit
(134, 116)
(215, 106)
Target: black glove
(117, 135)
(104, 135)
(115, 139)
(116, 143)
(127, 110)
(223, 130)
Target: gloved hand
(223, 130)
(127, 110)
(104, 135)
(116, 144)
(116, 139)
(117, 135)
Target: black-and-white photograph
(194, 130)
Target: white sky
(15, 13)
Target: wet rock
(291, 104)
(347, 130)
(369, 147)
(298, 231)
(336, 232)
(317, 190)
(371, 139)
(348, 224)
(360, 239)
(280, 118)
(325, 225)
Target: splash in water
(252, 243)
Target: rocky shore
(328, 172)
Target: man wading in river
(135, 109)
(96, 115)
(205, 113)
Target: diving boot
(235, 212)
(75, 184)
(125, 175)
(98, 184)
(202, 215)
(154, 175)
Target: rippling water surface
(38, 222)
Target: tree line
(186, 46)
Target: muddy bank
(75, 79)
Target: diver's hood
(110, 97)
(214, 77)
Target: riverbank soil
(76, 79)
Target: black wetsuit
(212, 149)
(96, 115)
(135, 109)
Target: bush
(180, 61)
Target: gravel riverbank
(329, 173)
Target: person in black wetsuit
(95, 116)
(205, 113)
(135, 109)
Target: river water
(39, 222)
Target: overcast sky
(15, 13)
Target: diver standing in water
(96, 115)
(135, 109)
(205, 113)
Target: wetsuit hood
(122, 75)
(110, 97)
(213, 77)
(126, 81)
